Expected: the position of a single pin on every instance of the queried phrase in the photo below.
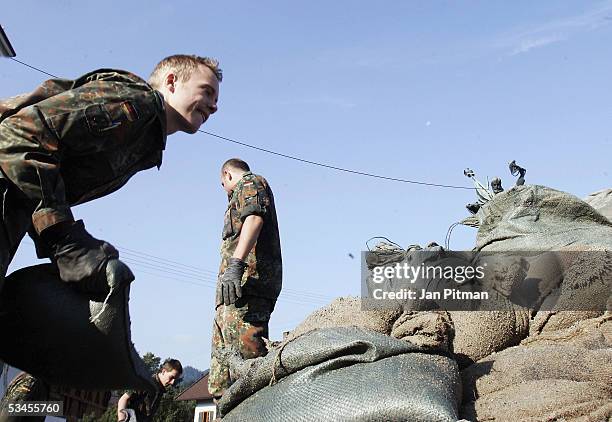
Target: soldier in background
(250, 275)
(141, 406)
(72, 141)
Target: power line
(329, 166)
(32, 67)
(302, 160)
(203, 280)
(196, 272)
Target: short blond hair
(183, 65)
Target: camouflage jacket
(69, 142)
(263, 276)
(145, 404)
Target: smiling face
(190, 102)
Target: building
(205, 410)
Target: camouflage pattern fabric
(69, 142)
(263, 276)
(242, 325)
(145, 404)
(23, 388)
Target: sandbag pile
(347, 361)
(563, 369)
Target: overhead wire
(197, 272)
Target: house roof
(198, 391)
(6, 49)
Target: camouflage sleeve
(29, 158)
(253, 198)
(82, 120)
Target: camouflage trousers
(242, 326)
(23, 388)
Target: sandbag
(348, 311)
(348, 374)
(602, 202)
(481, 333)
(565, 375)
(46, 331)
(538, 218)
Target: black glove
(80, 257)
(230, 288)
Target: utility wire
(32, 67)
(329, 166)
(302, 160)
(202, 280)
(196, 272)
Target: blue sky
(414, 90)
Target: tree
(152, 362)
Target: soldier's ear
(169, 81)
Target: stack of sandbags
(559, 375)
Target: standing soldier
(72, 141)
(250, 275)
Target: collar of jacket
(239, 183)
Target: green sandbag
(46, 331)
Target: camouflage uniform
(244, 324)
(145, 404)
(69, 142)
(24, 387)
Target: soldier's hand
(230, 285)
(79, 256)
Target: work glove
(230, 288)
(83, 259)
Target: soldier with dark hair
(73, 141)
(250, 275)
(141, 405)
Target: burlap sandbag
(346, 312)
(565, 375)
(538, 218)
(46, 331)
(344, 374)
(480, 333)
